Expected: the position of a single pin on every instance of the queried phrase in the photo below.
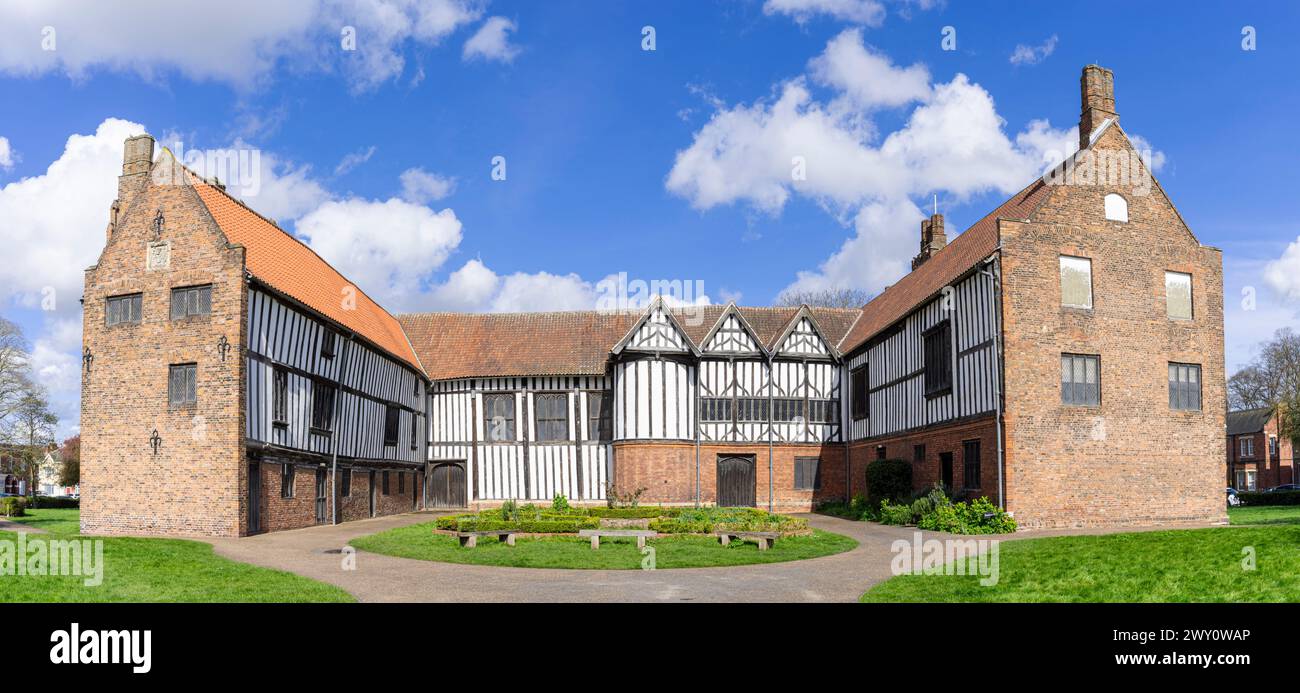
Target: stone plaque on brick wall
(158, 256)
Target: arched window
(1116, 208)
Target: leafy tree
(30, 429)
(70, 455)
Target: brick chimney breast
(1097, 85)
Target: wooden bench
(640, 534)
(470, 539)
(763, 539)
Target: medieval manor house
(1063, 356)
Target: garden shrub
(622, 499)
(56, 502)
(560, 503)
(888, 480)
(1276, 498)
(978, 516)
(510, 510)
(13, 506)
(895, 514)
(709, 520)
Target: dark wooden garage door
(447, 485)
(735, 480)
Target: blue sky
(659, 164)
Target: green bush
(475, 523)
(1261, 498)
(895, 514)
(56, 502)
(709, 520)
(510, 510)
(889, 480)
(13, 506)
(560, 503)
(978, 516)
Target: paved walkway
(839, 578)
(11, 526)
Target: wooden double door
(737, 480)
(445, 485)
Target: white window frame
(1248, 446)
(1191, 296)
(1065, 263)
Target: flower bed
(559, 519)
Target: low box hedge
(473, 523)
(13, 506)
(56, 502)
(1275, 498)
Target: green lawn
(419, 541)
(57, 520)
(156, 570)
(1265, 515)
(1197, 565)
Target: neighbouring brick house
(1063, 356)
(1258, 457)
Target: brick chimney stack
(137, 162)
(933, 239)
(1098, 87)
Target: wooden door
(945, 469)
(736, 481)
(447, 485)
(374, 493)
(254, 498)
(320, 496)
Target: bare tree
(14, 368)
(825, 298)
(1272, 377)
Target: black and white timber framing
(289, 338)
(893, 359)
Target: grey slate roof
(1248, 420)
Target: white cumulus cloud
(868, 12)
(1032, 55)
(420, 186)
(492, 42)
(953, 142)
(239, 42)
(7, 156)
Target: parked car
(1284, 487)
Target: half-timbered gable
(731, 334)
(658, 331)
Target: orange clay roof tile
(289, 266)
